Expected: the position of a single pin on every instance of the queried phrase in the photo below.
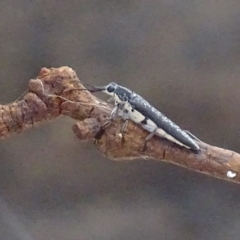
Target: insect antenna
(98, 101)
(91, 88)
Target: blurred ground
(183, 56)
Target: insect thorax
(123, 94)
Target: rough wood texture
(58, 91)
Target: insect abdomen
(165, 127)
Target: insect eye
(111, 89)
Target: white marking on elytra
(150, 126)
(134, 115)
(161, 133)
(231, 174)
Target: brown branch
(56, 91)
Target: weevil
(132, 106)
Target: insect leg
(111, 100)
(124, 114)
(151, 127)
(147, 139)
(107, 123)
(113, 115)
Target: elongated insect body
(137, 109)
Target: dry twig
(56, 91)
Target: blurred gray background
(183, 56)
